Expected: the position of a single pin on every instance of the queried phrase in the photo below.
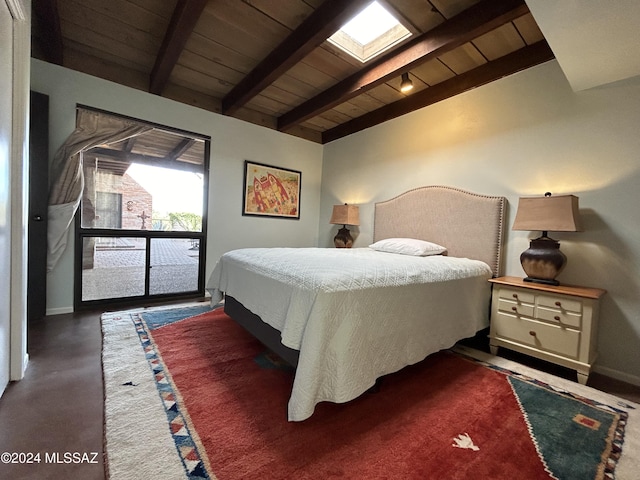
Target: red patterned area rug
(192, 395)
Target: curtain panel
(65, 192)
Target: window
(142, 222)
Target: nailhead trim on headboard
(469, 224)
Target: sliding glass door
(123, 267)
(174, 265)
(141, 231)
(113, 267)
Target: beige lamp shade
(548, 213)
(345, 215)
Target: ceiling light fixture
(406, 84)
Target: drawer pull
(532, 333)
(558, 304)
(514, 309)
(515, 295)
(556, 318)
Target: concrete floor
(58, 406)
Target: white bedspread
(354, 314)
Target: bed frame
(468, 224)
(268, 336)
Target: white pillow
(408, 246)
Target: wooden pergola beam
(184, 19)
(127, 157)
(48, 18)
(314, 30)
(182, 147)
(464, 27)
(131, 142)
(522, 59)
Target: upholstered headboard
(468, 224)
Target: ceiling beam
(48, 19)
(314, 30)
(184, 19)
(522, 59)
(464, 27)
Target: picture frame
(271, 191)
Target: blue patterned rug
(159, 318)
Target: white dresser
(558, 324)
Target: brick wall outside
(136, 201)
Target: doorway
(141, 227)
(38, 189)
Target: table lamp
(344, 215)
(543, 260)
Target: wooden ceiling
(268, 61)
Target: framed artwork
(271, 191)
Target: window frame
(81, 233)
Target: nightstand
(558, 324)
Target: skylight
(370, 23)
(370, 33)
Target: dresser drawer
(540, 336)
(515, 308)
(566, 304)
(561, 317)
(520, 296)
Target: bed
(346, 317)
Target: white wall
(232, 142)
(521, 136)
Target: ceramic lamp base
(543, 261)
(343, 239)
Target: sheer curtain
(92, 129)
